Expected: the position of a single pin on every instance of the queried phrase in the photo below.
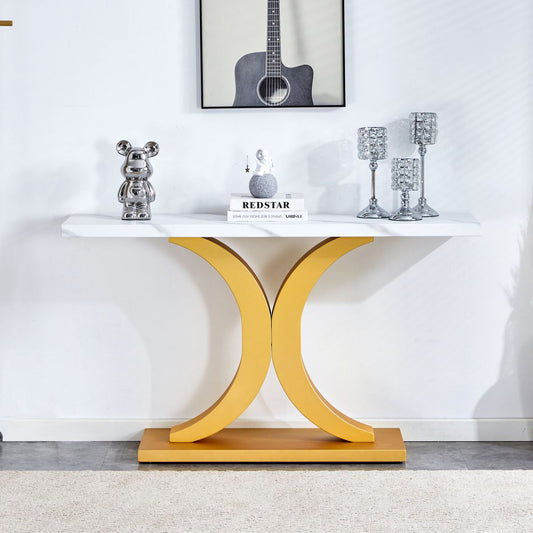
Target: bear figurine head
(136, 164)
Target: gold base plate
(261, 445)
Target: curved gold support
(256, 340)
(286, 340)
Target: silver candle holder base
(423, 209)
(373, 210)
(405, 214)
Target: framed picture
(272, 53)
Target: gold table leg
(256, 341)
(286, 341)
(203, 439)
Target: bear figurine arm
(151, 192)
(122, 192)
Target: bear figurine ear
(151, 148)
(123, 147)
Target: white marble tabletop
(446, 225)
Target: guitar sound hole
(273, 90)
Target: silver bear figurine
(136, 192)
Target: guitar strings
(276, 88)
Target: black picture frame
(236, 75)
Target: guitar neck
(273, 53)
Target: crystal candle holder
(405, 174)
(423, 132)
(372, 145)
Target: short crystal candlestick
(423, 132)
(405, 175)
(372, 145)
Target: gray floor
(123, 456)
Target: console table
(270, 334)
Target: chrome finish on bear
(136, 192)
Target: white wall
(123, 332)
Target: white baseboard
(487, 429)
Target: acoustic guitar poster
(272, 53)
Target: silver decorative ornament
(423, 132)
(136, 192)
(405, 174)
(372, 144)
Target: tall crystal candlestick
(372, 145)
(423, 132)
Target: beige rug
(279, 501)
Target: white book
(245, 202)
(267, 216)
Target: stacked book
(279, 208)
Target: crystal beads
(423, 128)
(405, 174)
(372, 143)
